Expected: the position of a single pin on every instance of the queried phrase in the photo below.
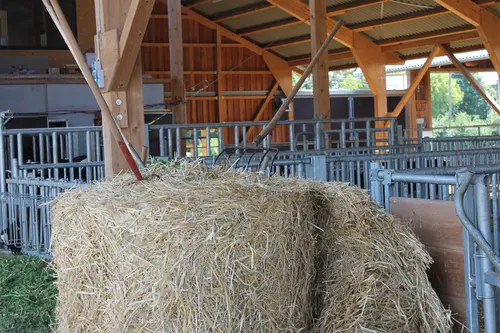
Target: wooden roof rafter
(238, 12)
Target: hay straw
(207, 250)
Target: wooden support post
(221, 104)
(320, 71)
(282, 74)
(176, 60)
(126, 105)
(465, 72)
(411, 107)
(411, 90)
(428, 95)
(371, 60)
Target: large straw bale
(192, 249)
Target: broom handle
(62, 25)
(272, 124)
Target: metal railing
(476, 204)
(454, 131)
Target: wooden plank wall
(437, 225)
(200, 66)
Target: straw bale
(192, 249)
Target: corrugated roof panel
(267, 37)
(428, 24)
(250, 20)
(294, 50)
(221, 6)
(377, 12)
(304, 49)
(345, 62)
(465, 43)
(418, 50)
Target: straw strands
(192, 249)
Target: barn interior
(204, 79)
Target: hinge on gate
(478, 270)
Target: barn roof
(408, 28)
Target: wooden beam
(268, 26)
(430, 41)
(465, 72)
(269, 57)
(345, 35)
(297, 70)
(370, 59)
(320, 71)
(411, 90)
(128, 103)
(300, 10)
(488, 31)
(426, 35)
(185, 45)
(176, 60)
(344, 54)
(221, 104)
(281, 72)
(455, 70)
(397, 19)
(465, 9)
(333, 55)
(129, 45)
(344, 8)
(238, 12)
(259, 115)
(486, 23)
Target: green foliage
(347, 79)
(27, 295)
(464, 119)
(473, 103)
(440, 94)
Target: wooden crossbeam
(269, 26)
(364, 26)
(472, 80)
(411, 90)
(344, 54)
(465, 9)
(321, 90)
(344, 8)
(486, 23)
(406, 45)
(426, 35)
(300, 10)
(340, 54)
(129, 45)
(238, 12)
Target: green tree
(439, 94)
(347, 79)
(473, 103)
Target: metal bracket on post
(387, 188)
(317, 169)
(376, 183)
